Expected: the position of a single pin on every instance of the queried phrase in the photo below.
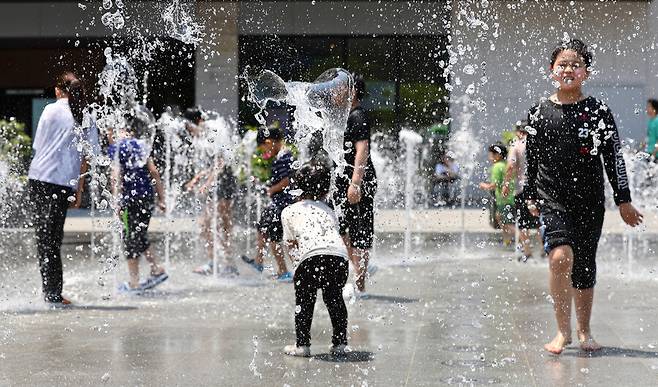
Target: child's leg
(524, 239)
(206, 231)
(260, 247)
(277, 251)
(226, 224)
(305, 296)
(360, 260)
(133, 271)
(336, 274)
(153, 260)
(560, 262)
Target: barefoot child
(570, 136)
(504, 204)
(310, 230)
(135, 171)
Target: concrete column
(217, 58)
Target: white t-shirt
(58, 146)
(517, 156)
(315, 228)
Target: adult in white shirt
(55, 181)
(310, 230)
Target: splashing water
(180, 25)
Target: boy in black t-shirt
(355, 189)
(269, 226)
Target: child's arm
(487, 186)
(155, 174)
(278, 187)
(532, 162)
(510, 172)
(615, 168)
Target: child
(516, 167)
(504, 204)
(269, 226)
(219, 177)
(135, 194)
(310, 229)
(571, 134)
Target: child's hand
(354, 194)
(505, 190)
(486, 186)
(532, 207)
(630, 215)
(161, 205)
(189, 186)
(204, 189)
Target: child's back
(135, 177)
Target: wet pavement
(443, 318)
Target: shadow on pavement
(349, 357)
(616, 352)
(112, 308)
(391, 299)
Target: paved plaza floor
(445, 317)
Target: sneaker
(252, 262)
(339, 350)
(125, 288)
(361, 295)
(284, 278)
(372, 269)
(524, 258)
(153, 281)
(229, 272)
(205, 269)
(293, 350)
(59, 304)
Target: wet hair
(576, 45)
(653, 103)
(359, 87)
(264, 133)
(498, 148)
(193, 115)
(69, 84)
(314, 179)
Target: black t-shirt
(564, 156)
(358, 129)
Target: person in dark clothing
(569, 136)
(269, 225)
(356, 187)
(310, 230)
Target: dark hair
(576, 45)
(521, 126)
(268, 133)
(653, 103)
(193, 115)
(359, 87)
(498, 148)
(314, 179)
(69, 84)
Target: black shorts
(270, 222)
(357, 220)
(581, 230)
(226, 185)
(136, 216)
(524, 218)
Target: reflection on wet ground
(441, 317)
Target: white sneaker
(372, 269)
(339, 350)
(293, 350)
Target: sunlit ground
(441, 317)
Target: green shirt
(652, 135)
(498, 178)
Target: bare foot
(557, 345)
(587, 343)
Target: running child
(504, 204)
(516, 172)
(270, 230)
(310, 230)
(135, 171)
(572, 138)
